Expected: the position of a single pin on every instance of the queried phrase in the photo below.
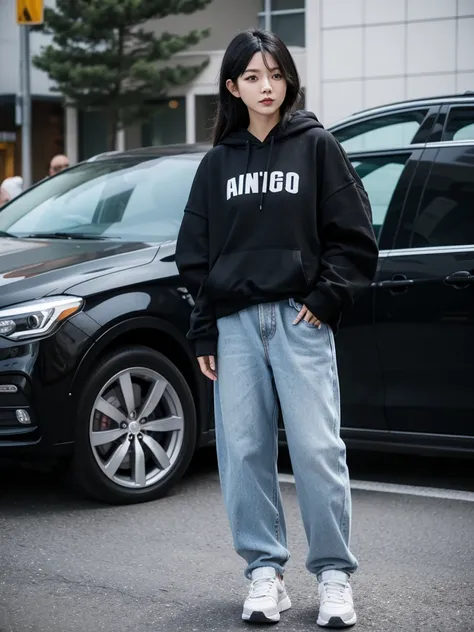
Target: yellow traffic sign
(29, 12)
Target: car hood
(33, 268)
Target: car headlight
(37, 318)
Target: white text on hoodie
(248, 183)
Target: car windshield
(135, 199)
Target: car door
(386, 175)
(424, 300)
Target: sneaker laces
(261, 587)
(335, 590)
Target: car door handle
(460, 279)
(399, 283)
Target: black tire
(85, 469)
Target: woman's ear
(232, 88)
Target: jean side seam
(275, 481)
(333, 376)
(336, 402)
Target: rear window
(460, 124)
(380, 176)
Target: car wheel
(135, 429)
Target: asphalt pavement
(68, 564)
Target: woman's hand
(207, 364)
(308, 316)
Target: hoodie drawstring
(247, 157)
(262, 194)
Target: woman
(275, 244)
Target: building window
(92, 133)
(168, 125)
(206, 108)
(286, 18)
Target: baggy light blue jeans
(261, 356)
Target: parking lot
(217, 187)
(69, 564)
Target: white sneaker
(336, 608)
(267, 597)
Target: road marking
(392, 488)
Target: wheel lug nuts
(130, 437)
(140, 436)
(124, 425)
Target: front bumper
(18, 420)
(36, 412)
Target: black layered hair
(232, 113)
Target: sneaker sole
(337, 622)
(260, 617)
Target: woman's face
(261, 87)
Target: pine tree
(102, 58)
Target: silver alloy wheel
(136, 428)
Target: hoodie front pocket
(257, 273)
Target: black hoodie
(267, 221)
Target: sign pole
(25, 106)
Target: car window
(55, 213)
(380, 176)
(381, 132)
(446, 213)
(460, 124)
(138, 199)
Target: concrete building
(351, 54)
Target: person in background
(58, 163)
(275, 244)
(10, 188)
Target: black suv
(94, 363)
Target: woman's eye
(277, 76)
(251, 78)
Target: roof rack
(467, 93)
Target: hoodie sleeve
(192, 259)
(349, 249)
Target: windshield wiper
(3, 233)
(59, 235)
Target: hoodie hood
(299, 123)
